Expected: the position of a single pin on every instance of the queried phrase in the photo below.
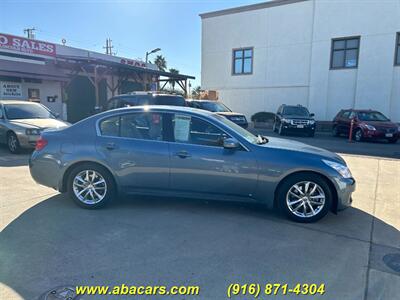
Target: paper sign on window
(181, 128)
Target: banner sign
(132, 62)
(10, 90)
(24, 45)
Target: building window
(397, 57)
(345, 53)
(242, 61)
(34, 94)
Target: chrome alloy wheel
(12, 143)
(305, 199)
(89, 187)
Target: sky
(134, 26)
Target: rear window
(136, 100)
(170, 100)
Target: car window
(352, 115)
(193, 130)
(345, 115)
(27, 111)
(144, 126)
(214, 106)
(296, 111)
(170, 100)
(372, 116)
(110, 126)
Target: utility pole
(30, 33)
(109, 47)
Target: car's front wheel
(91, 186)
(393, 141)
(358, 135)
(305, 198)
(13, 143)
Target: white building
(325, 55)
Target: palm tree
(196, 92)
(172, 82)
(160, 62)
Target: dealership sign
(10, 90)
(20, 44)
(132, 62)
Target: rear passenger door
(343, 122)
(134, 147)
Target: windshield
(214, 106)
(247, 135)
(372, 116)
(27, 111)
(295, 111)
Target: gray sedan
(21, 123)
(185, 152)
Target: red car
(368, 124)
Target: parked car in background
(191, 153)
(144, 98)
(21, 123)
(221, 109)
(294, 119)
(367, 124)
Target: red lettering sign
(20, 44)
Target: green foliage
(161, 62)
(263, 116)
(196, 92)
(172, 82)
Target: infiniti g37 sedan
(190, 153)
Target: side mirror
(231, 143)
(57, 115)
(312, 115)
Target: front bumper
(27, 141)
(298, 128)
(378, 134)
(344, 188)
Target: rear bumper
(344, 188)
(45, 170)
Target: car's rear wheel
(13, 143)
(91, 186)
(305, 198)
(358, 135)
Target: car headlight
(340, 168)
(311, 122)
(286, 120)
(370, 127)
(32, 131)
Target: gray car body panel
(251, 173)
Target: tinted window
(145, 126)
(346, 114)
(27, 111)
(194, 130)
(170, 100)
(372, 116)
(110, 126)
(345, 53)
(295, 111)
(214, 106)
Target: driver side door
(200, 165)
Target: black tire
(289, 182)
(393, 141)
(110, 192)
(13, 143)
(358, 135)
(274, 127)
(335, 131)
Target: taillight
(40, 144)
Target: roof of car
(144, 94)
(202, 100)
(160, 108)
(360, 110)
(16, 102)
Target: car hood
(381, 124)
(291, 145)
(40, 123)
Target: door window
(145, 126)
(346, 115)
(193, 130)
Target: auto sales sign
(27, 46)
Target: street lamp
(151, 52)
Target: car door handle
(182, 154)
(111, 146)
